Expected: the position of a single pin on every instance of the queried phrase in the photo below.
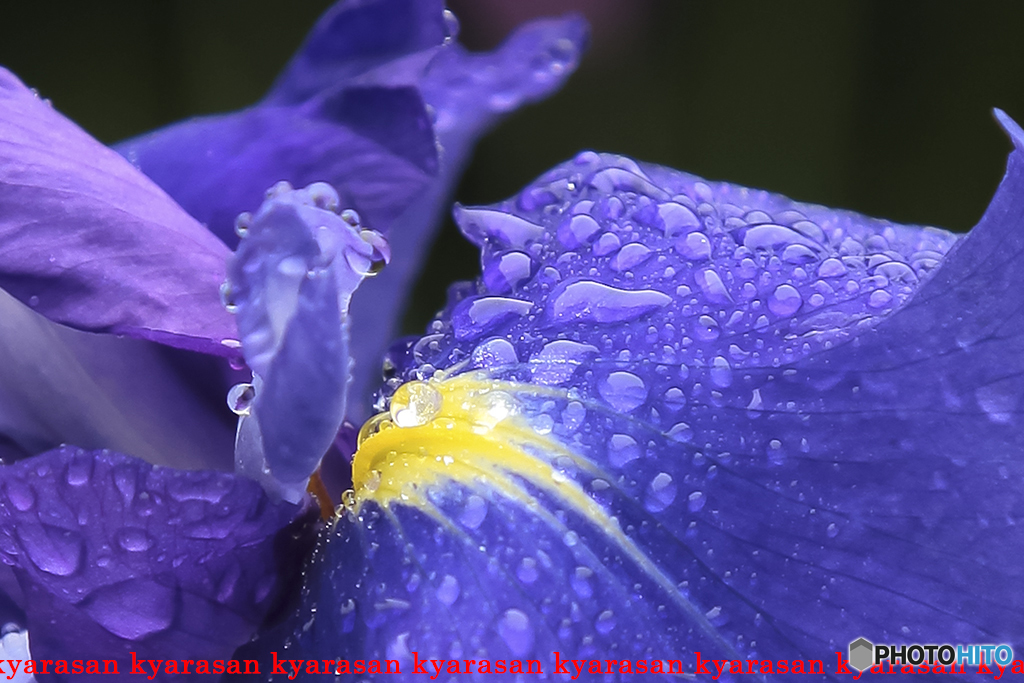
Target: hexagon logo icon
(862, 654)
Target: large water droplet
(474, 513)
(605, 622)
(515, 629)
(132, 609)
(448, 591)
(577, 230)
(622, 448)
(624, 391)
(785, 300)
(415, 404)
(54, 551)
(706, 328)
(21, 495)
(134, 540)
(240, 398)
(527, 570)
(661, 492)
(629, 257)
(721, 372)
(591, 301)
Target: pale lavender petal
(291, 281)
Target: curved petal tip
(1010, 127)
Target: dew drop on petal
(448, 591)
(240, 398)
(415, 404)
(695, 501)
(785, 300)
(661, 492)
(515, 629)
(527, 570)
(623, 391)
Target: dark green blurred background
(882, 107)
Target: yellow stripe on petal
(469, 430)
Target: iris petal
(728, 422)
(116, 556)
(59, 385)
(90, 242)
(291, 282)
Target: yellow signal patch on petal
(469, 430)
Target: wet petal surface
(115, 556)
(719, 419)
(90, 242)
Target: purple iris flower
(686, 420)
(672, 416)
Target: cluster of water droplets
(102, 531)
(643, 316)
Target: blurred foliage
(881, 107)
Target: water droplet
(474, 513)
(680, 432)
(489, 225)
(577, 230)
(623, 391)
(21, 495)
(242, 224)
(527, 570)
(607, 244)
(605, 622)
(79, 470)
(695, 501)
(134, 540)
(495, 353)
(415, 404)
(54, 551)
(695, 246)
(448, 591)
(580, 581)
(706, 328)
(508, 271)
(241, 397)
(879, 299)
(227, 297)
(591, 301)
(516, 630)
(351, 216)
(832, 531)
(712, 286)
(721, 372)
(451, 26)
(629, 257)
(132, 609)
(661, 492)
(785, 300)
(472, 317)
(622, 449)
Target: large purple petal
(92, 243)
(117, 556)
(376, 41)
(374, 145)
(679, 416)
